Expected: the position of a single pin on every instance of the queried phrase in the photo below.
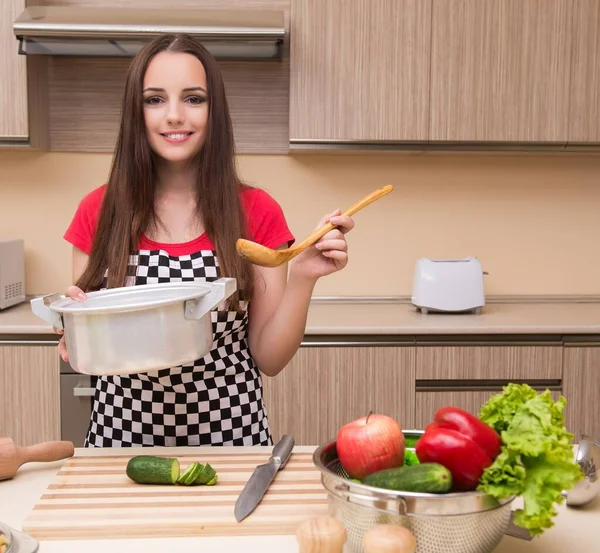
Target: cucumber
(190, 474)
(423, 478)
(147, 469)
(206, 475)
(213, 480)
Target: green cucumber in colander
(422, 478)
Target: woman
(172, 210)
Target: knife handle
(283, 450)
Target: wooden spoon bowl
(266, 257)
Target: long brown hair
(128, 206)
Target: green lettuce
(536, 461)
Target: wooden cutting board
(91, 497)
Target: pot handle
(40, 307)
(220, 289)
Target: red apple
(369, 444)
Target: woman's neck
(177, 178)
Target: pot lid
(131, 298)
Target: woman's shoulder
(258, 199)
(92, 201)
(80, 231)
(266, 221)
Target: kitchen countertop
(574, 530)
(397, 317)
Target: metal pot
(134, 329)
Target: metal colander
(469, 522)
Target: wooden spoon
(266, 257)
(12, 456)
(321, 535)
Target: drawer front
(427, 403)
(493, 362)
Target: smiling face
(175, 106)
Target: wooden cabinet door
(13, 76)
(500, 70)
(29, 393)
(489, 361)
(323, 388)
(428, 402)
(581, 388)
(584, 113)
(359, 70)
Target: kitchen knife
(261, 478)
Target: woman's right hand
(76, 294)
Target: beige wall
(533, 221)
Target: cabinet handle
(84, 391)
(29, 342)
(357, 343)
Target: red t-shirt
(266, 224)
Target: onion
(389, 538)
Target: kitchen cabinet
(489, 360)
(581, 387)
(466, 372)
(69, 95)
(471, 400)
(13, 77)
(584, 112)
(325, 386)
(359, 71)
(30, 392)
(501, 70)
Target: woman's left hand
(329, 254)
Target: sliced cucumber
(190, 474)
(207, 474)
(213, 480)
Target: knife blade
(261, 478)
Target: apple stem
(370, 413)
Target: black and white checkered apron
(216, 400)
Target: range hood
(86, 31)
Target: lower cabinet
(466, 372)
(29, 393)
(330, 383)
(581, 388)
(326, 386)
(428, 402)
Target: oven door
(76, 397)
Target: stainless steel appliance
(12, 272)
(76, 396)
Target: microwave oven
(12, 272)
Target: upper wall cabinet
(584, 114)
(75, 100)
(359, 71)
(500, 69)
(13, 78)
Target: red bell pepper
(462, 443)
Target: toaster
(12, 272)
(448, 285)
